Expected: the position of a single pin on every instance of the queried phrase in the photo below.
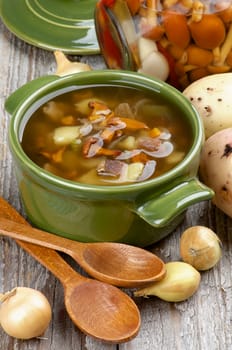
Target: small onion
(24, 313)
(180, 283)
(200, 247)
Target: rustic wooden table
(200, 323)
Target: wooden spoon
(115, 263)
(98, 309)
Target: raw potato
(216, 168)
(212, 97)
(64, 135)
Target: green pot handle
(161, 210)
(14, 101)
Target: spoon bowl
(120, 317)
(96, 308)
(114, 263)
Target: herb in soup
(107, 136)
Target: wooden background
(203, 322)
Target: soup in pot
(107, 136)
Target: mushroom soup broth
(107, 136)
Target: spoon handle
(29, 234)
(100, 310)
(47, 257)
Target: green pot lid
(66, 25)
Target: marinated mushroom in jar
(192, 39)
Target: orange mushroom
(150, 26)
(99, 111)
(176, 51)
(92, 146)
(99, 107)
(133, 5)
(107, 134)
(154, 32)
(198, 73)
(176, 28)
(56, 156)
(199, 57)
(108, 152)
(209, 32)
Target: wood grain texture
(201, 323)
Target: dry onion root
(200, 247)
(25, 313)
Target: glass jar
(178, 41)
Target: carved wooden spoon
(115, 263)
(98, 309)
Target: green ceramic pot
(138, 214)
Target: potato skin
(211, 96)
(216, 168)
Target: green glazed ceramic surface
(138, 214)
(65, 25)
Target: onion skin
(25, 313)
(180, 283)
(200, 247)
